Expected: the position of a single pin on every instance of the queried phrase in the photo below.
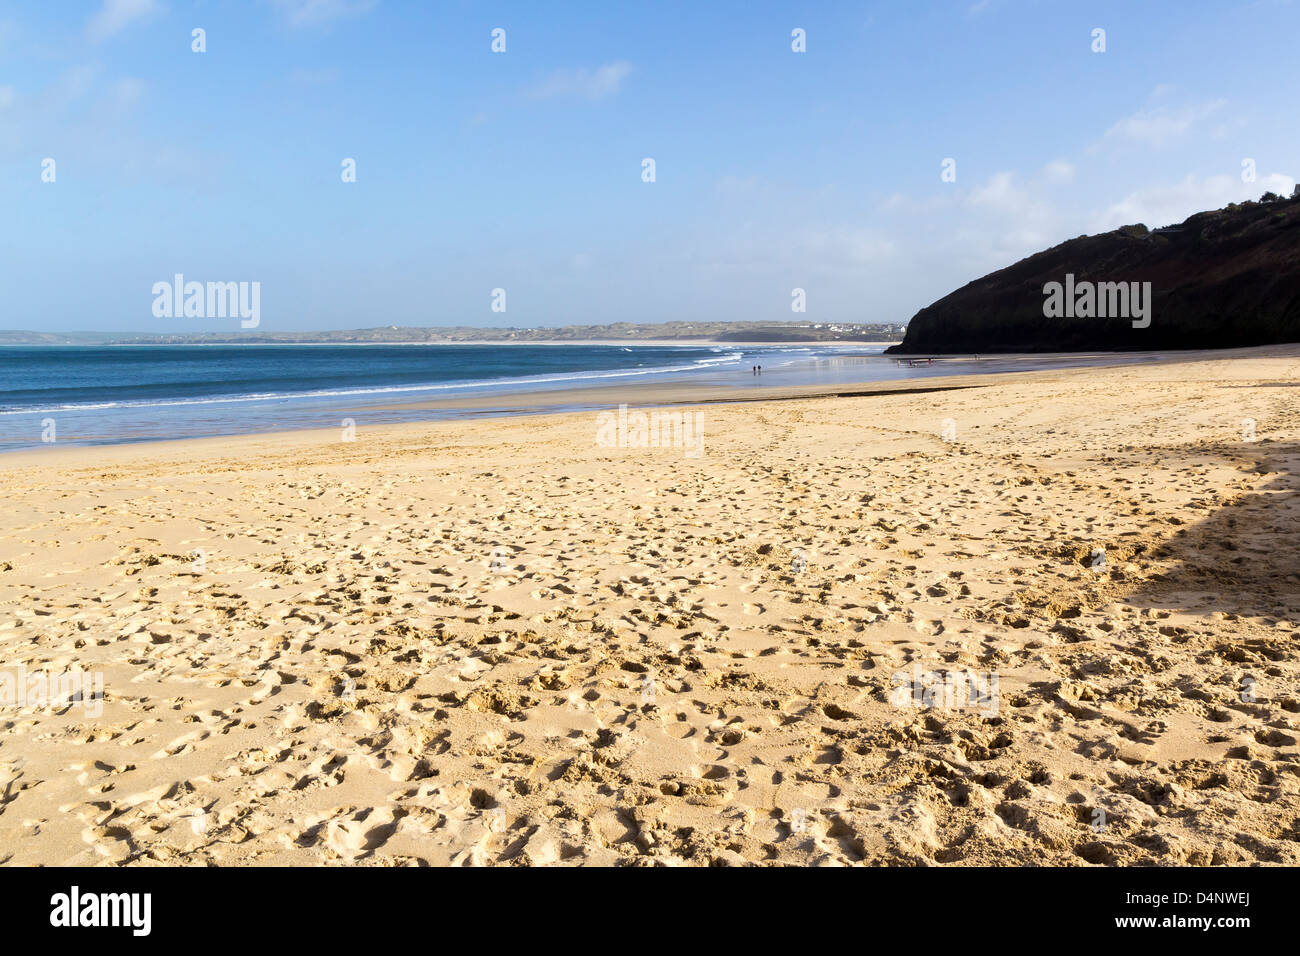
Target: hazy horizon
(388, 325)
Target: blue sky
(522, 170)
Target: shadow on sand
(1245, 558)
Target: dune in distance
(1042, 618)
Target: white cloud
(1058, 172)
(1000, 193)
(1160, 125)
(1164, 205)
(1013, 219)
(303, 13)
(117, 15)
(590, 84)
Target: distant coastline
(620, 333)
(615, 343)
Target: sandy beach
(1048, 618)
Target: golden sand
(497, 641)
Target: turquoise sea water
(115, 394)
(111, 394)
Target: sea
(117, 394)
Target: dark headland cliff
(1223, 279)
